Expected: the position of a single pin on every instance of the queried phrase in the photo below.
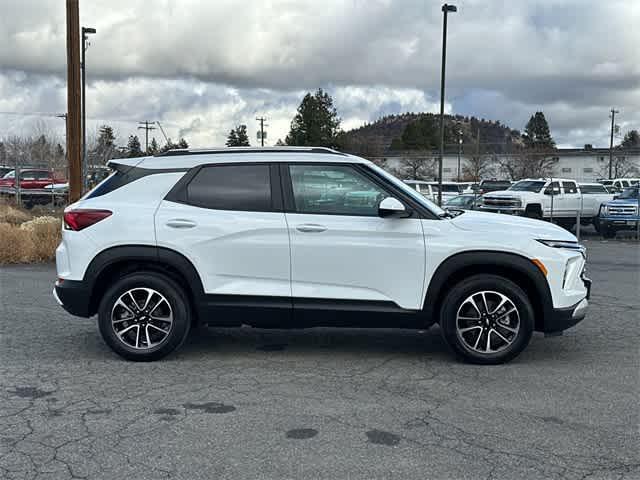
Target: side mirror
(392, 208)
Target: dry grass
(12, 215)
(26, 240)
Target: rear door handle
(311, 228)
(180, 223)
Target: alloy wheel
(487, 322)
(142, 318)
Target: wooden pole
(74, 126)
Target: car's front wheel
(144, 316)
(487, 319)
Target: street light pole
(445, 10)
(459, 151)
(613, 116)
(85, 31)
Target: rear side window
(231, 187)
(587, 189)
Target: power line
(147, 126)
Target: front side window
(569, 187)
(334, 190)
(231, 187)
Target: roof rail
(237, 150)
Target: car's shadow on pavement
(315, 340)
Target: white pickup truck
(547, 198)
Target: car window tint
(588, 189)
(231, 187)
(334, 189)
(569, 187)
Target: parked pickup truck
(619, 214)
(546, 198)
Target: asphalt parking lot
(332, 404)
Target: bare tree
(416, 167)
(620, 167)
(528, 165)
(478, 167)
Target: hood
(622, 201)
(510, 224)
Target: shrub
(12, 215)
(33, 241)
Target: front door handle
(311, 228)
(180, 223)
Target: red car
(30, 178)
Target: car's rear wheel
(144, 316)
(487, 319)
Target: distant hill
(375, 139)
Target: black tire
(608, 232)
(533, 213)
(180, 310)
(455, 300)
(567, 224)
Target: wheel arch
(514, 267)
(117, 261)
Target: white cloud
(203, 67)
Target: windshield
(460, 201)
(410, 191)
(629, 193)
(11, 174)
(527, 186)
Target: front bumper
(564, 318)
(73, 296)
(619, 223)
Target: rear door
(341, 249)
(572, 200)
(227, 219)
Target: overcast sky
(201, 67)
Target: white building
(583, 165)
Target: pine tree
(631, 139)
(238, 137)
(133, 147)
(105, 146)
(153, 147)
(183, 143)
(316, 122)
(232, 138)
(537, 134)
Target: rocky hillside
(385, 134)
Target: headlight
(570, 270)
(575, 246)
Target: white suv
(303, 237)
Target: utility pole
(459, 151)
(83, 66)
(613, 116)
(445, 10)
(147, 126)
(74, 133)
(262, 125)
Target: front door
(341, 249)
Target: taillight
(83, 218)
